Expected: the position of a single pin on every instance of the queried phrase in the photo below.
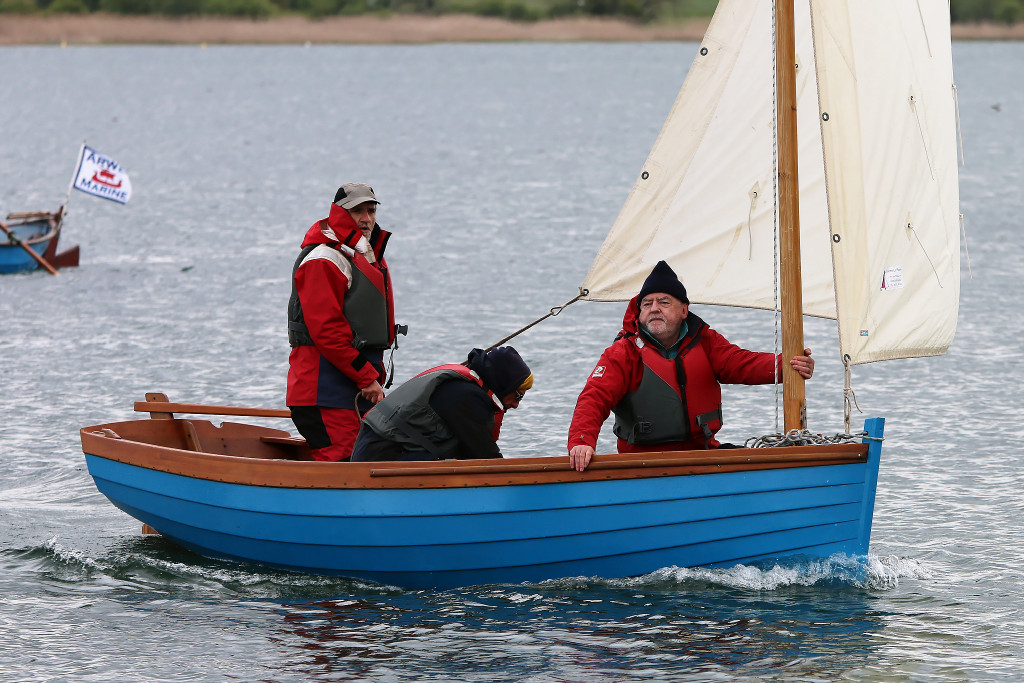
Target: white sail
(705, 198)
(888, 127)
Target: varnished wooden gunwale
(107, 441)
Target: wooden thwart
(168, 408)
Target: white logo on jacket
(598, 371)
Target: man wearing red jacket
(662, 377)
(341, 319)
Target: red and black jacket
(658, 400)
(340, 314)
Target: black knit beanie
(502, 369)
(663, 279)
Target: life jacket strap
(704, 419)
(641, 428)
(399, 330)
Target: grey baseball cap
(351, 195)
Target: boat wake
(869, 572)
(153, 560)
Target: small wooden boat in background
(32, 236)
(38, 233)
(253, 494)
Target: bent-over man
(451, 411)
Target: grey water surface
(500, 168)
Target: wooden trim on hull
(198, 449)
(741, 458)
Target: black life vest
(365, 306)
(678, 398)
(406, 417)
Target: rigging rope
(553, 312)
(963, 230)
(924, 139)
(775, 214)
(963, 162)
(910, 228)
(849, 396)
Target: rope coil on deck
(802, 437)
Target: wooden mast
(793, 398)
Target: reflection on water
(656, 627)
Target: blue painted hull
(14, 259)
(447, 537)
(40, 231)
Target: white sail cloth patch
(892, 278)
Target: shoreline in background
(107, 29)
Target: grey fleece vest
(405, 416)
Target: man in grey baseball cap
(361, 203)
(341, 320)
(351, 195)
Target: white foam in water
(884, 573)
(71, 556)
(872, 572)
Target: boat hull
(431, 526)
(40, 231)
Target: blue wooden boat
(252, 494)
(866, 234)
(39, 231)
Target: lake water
(500, 168)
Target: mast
(794, 402)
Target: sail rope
(963, 162)
(803, 437)
(924, 28)
(959, 131)
(849, 396)
(924, 139)
(754, 192)
(963, 231)
(910, 227)
(551, 313)
(775, 217)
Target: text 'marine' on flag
(101, 176)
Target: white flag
(101, 176)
